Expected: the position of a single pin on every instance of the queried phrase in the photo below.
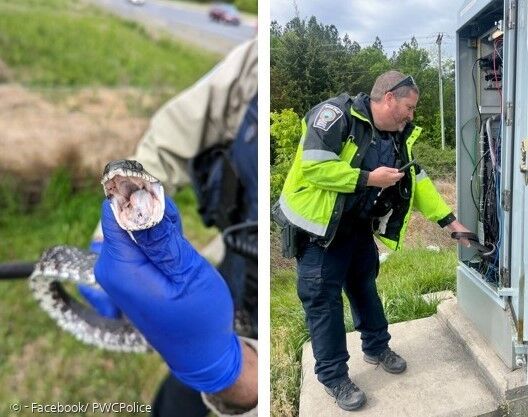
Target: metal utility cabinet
(492, 171)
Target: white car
(137, 2)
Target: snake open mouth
(138, 202)
(136, 197)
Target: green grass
(38, 361)
(403, 278)
(249, 6)
(66, 214)
(67, 43)
(439, 164)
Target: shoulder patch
(327, 116)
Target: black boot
(348, 396)
(389, 360)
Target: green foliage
(10, 201)
(63, 214)
(285, 135)
(43, 4)
(250, 6)
(67, 213)
(58, 190)
(288, 334)
(75, 45)
(310, 63)
(361, 70)
(193, 225)
(439, 164)
(306, 60)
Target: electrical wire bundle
(485, 192)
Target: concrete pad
(507, 384)
(441, 379)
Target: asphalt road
(187, 21)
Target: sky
(394, 21)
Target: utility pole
(441, 89)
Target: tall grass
(403, 279)
(62, 214)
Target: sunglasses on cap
(406, 82)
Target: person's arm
(325, 129)
(430, 203)
(243, 391)
(181, 304)
(207, 113)
(456, 226)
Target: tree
(310, 63)
(307, 61)
(377, 44)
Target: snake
(137, 201)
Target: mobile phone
(407, 166)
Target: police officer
(343, 188)
(220, 109)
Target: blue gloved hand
(97, 298)
(96, 246)
(100, 301)
(174, 297)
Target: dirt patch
(422, 232)
(5, 72)
(83, 129)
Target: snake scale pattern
(137, 200)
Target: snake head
(136, 197)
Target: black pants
(175, 399)
(351, 262)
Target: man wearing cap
(345, 187)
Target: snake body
(137, 201)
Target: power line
(390, 41)
(342, 48)
(383, 43)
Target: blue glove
(100, 301)
(95, 246)
(174, 297)
(97, 298)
